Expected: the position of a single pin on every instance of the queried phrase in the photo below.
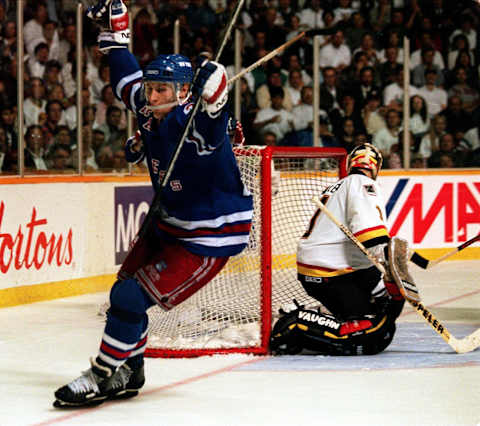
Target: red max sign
(453, 199)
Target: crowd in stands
(361, 67)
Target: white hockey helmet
(367, 157)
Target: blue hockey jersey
(209, 209)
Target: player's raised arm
(125, 73)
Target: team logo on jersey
(148, 125)
(202, 147)
(187, 108)
(370, 190)
(145, 111)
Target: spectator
(466, 28)
(7, 122)
(311, 16)
(431, 140)
(119, 163)
(464, 59)
(50, 36)
(471, 139)
(419, 118)
(435, 97)
(372, 114)
(201, 17)
(346, 134)
(426, 42)
(114, 134)
(35, 103)
(61, 159)
(447, 156)
(393, 41)
(389, 69)
(294, 86)
(35, 149)
(427, 64)
(274, 118)
(366, 87)
(88, 158)
(37, 62)
(458, 120)
(4, 150)
(343, 11)
(469, 95)
(294, 64)
(385, 138)
(269, 139)
(350, 76)
(108, 100)
(9, 39)
(68, 41)
(348, 109)
(52, 74)
(393, 93)
(355, 31)
(336, 53)
(33, 29)
(54, 110)
(145, 36)
(275, 34)
(303, 120)
(459, 43)
(367, 46)
(263, 94)
(330, 90)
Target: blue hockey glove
(211, 85)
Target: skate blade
(126, 394)
(58, 403)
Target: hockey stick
(266, 58)
(424, 263)
(467, 344)
(156, 205)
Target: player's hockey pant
(347, 296)
(168, 272)
(317, 333)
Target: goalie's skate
(87, 390)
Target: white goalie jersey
(324, 250)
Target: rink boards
(57, 231)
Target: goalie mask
(175, 70)
(366, 157)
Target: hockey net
(234, 312)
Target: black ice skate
(91, 388)
(125, 382)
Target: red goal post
(234, 312)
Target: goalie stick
(424, 263)
(467, 344)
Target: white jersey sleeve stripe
(125, 80)
(210, 223)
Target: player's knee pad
(129, 301)
(314, 332)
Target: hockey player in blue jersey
(207, 210)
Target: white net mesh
(227, 313)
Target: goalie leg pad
(312, 332)
(398, 256)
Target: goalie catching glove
(210, 84)
(112, 16)
(394, 259)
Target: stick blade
(467, 344)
